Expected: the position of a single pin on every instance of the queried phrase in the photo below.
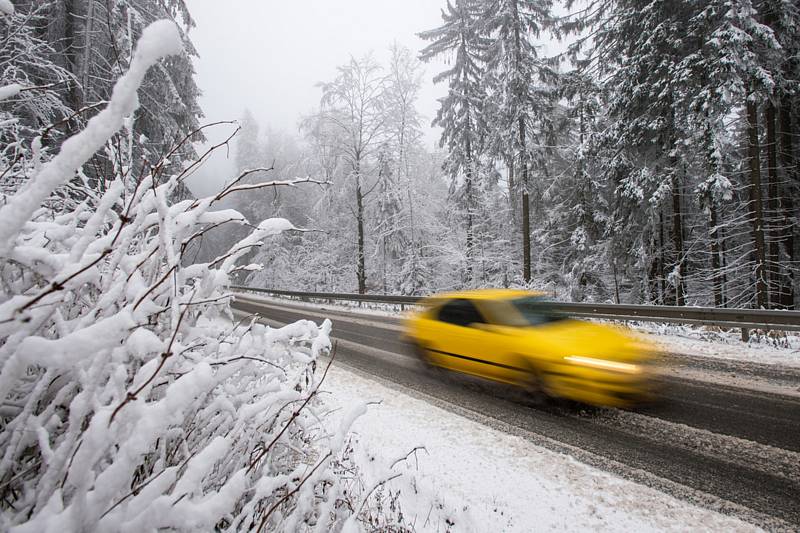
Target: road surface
(729, 448)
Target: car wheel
(421, 353)
(536, 389)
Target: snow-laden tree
(93, 40)
(679, 79)
(461, 111)
(31, 93)
(398, 219)
(521, 94)
(131, 398)
(353, 115)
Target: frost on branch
(131, 399)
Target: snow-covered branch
(131, 398)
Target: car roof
(483, 294)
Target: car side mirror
(482, 326)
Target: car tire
(536, 389)
(421, 353)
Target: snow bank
(500, 482)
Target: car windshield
(527, 311)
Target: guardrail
(745, 319)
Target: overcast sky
(268, 56)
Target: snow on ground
(683, 340)
(501, 482)
(697, 343)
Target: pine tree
(93, 41)
(33, 83)
(523, 104)
(460, 114)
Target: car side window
(460, 313)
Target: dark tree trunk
(526, 208)
(652, 276)
(716, 259)
(70, 54)
(756, 205)
(362, 270)
(661, 259)
(677, 239)
(470, 193)
(512, 185)
(523, 159)
(792, 190)
(775, 277)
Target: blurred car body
(515, 337)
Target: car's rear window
(526, 311)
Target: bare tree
(353, 114)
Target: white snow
(6, 8)
(9, 91)
(501, 482)
(732, 349)
(158, 40)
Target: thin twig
(292, 492)
(164, 356)
(295, 414)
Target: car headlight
(604, 364)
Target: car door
(463, 343)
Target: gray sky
(268, 56)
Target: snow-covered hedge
(130, 397)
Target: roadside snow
(731, 349)
(501, 482)
(6, 7)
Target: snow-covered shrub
(130, 397)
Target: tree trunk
(362, 271)
(661, 259)
(775, 279)
(412, 236)
(526, 236)
(716, 259)
(652, 275)
(70, 55)
(523, 160)
(526, 216)
(383, 253)
(756, 206)
(87, 50)
(470, 176)
(677, 239)
(512, 185)
(792, 189)
(470, 237)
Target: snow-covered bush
(130, 397)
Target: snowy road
(734, 449)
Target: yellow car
(514, 337)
